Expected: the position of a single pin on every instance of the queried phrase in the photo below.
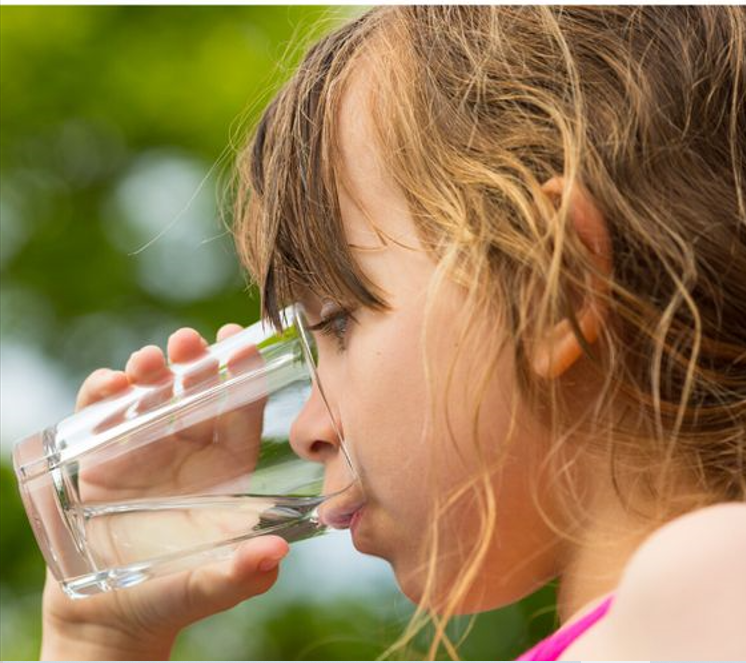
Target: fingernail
(268, 564)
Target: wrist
(91, 642)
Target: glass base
(132, 575)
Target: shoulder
(682, 592)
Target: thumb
(251, 570)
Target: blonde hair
(642, 107)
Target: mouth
(355, 519)
(342, 516)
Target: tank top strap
(551, 647)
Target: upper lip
(338, 517)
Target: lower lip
(355, 520)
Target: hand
(217, 448)
(143, 621)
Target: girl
(521, 235)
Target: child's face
(376, 387)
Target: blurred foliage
(87, 91)
(117, 124)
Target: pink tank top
(551, 648)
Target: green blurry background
(117, 131)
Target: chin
(364, 545)
(481, 597)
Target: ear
(560, 348)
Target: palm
(202, 458)
(220, 444)
(196, 458)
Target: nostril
(319, 448)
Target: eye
(335, 324)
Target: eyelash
(327, 326)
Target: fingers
(240, 428)
(227, 330)
(187, 351)
(185, 345)
(100, 384)
(148, 366)
(143, 367)
(252, 570)
(244, 359)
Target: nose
(313, 435)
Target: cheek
(384, 402)
(406, 473)
(382, 408)
(520, 554)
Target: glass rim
(298, 318)
(292, 316)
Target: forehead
(374, 209)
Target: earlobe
(559, 348)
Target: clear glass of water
(164, 477)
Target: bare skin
(143, 622)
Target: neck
(593, 569)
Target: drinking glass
(167, 476)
